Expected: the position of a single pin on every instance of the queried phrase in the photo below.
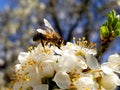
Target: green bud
(111, 16)
(117, 26)
(104, 32)
(117, 32)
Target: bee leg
(43, 45)
(46, 42)
(57, 46)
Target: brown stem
(81, 11)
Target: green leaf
(111, 16)
(117, 26)
(105, 24)
(104, 32)
(117, 32)
(114, 22)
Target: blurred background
(19, 20)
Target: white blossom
(114, 62)
(84, 83)
(2, 82)
(46, 69)
(62, 79)
(110, 81)
(73, 66)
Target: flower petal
(41, 87)
(84, 83)
(106, 69)
(92, 62)
(23, 56)
(62, 80)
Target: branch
(84, 6)
(111, 5)
(52, 4)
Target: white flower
(2, 81)
(110, 81)
(23, 57)
(92, 62)
(72, 66)
(78, 48)
(2, 62)
(46, 69)
(41, 87)
(26, 76)
(118, 2)
(62, 79)
(84, 83)
(106, 69)
(17, 67)
(66, 63)
(114, 62)
(41, 63)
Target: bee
(48, 35)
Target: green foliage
(111, 28)
(104, 32)
(111, 16)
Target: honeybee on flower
(48, 35)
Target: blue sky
(3, 3)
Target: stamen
(30, 48)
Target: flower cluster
(73, 67)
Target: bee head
(60, 42)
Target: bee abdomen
(38, 37)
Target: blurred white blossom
(118, 2)
(2, 82)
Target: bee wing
(50, 29)
(41, 31)
(48, 25)
(47, 30)
(44, 33)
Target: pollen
(79, 60)
(84, 43)
(29, 88)
(83, 46)
(30, 48)
(26, 78)
(87, 88)
(31, 62)
(46, 50)
(20, 88)
(80, 52)
(74, 75)
(73, 80)
(23, 67)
